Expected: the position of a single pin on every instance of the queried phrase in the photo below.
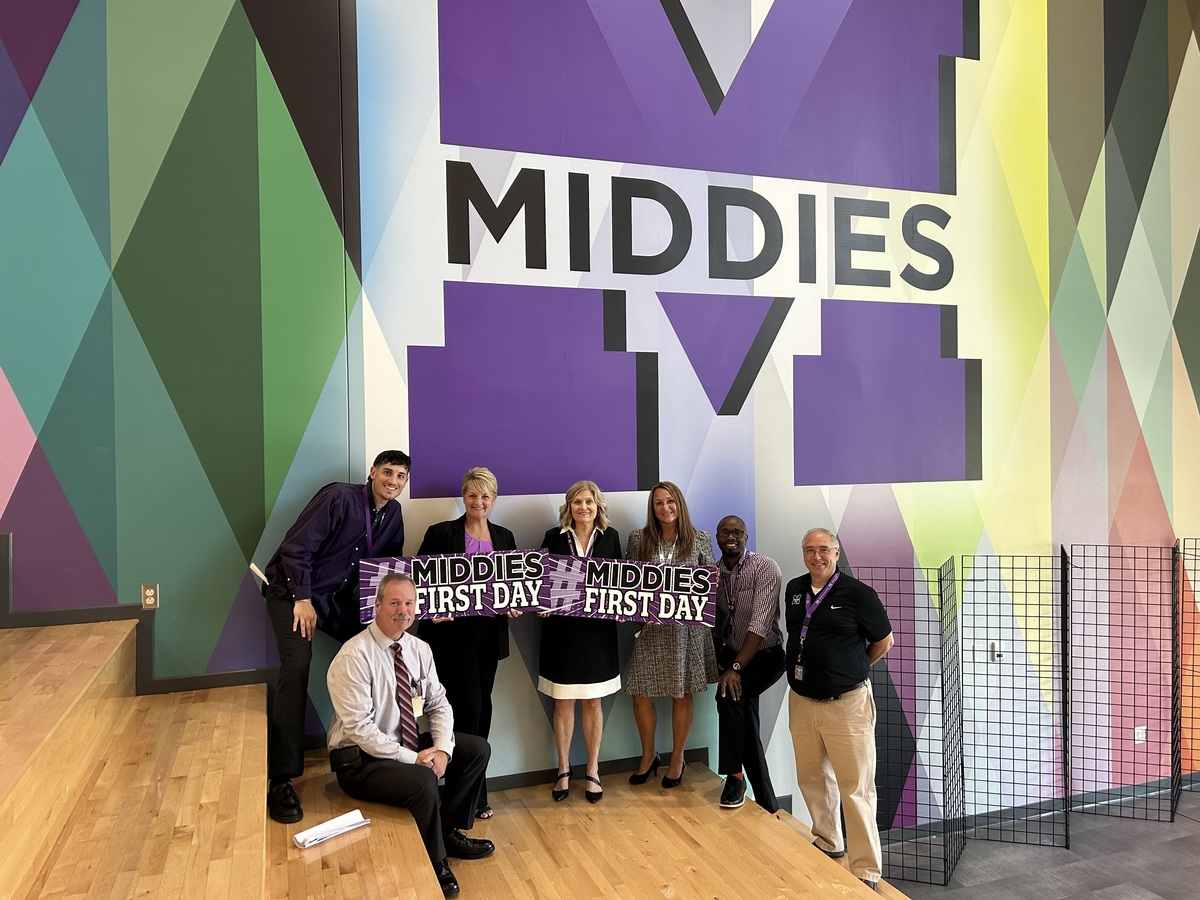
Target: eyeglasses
(733, 533)
(819, 551)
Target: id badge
(418, 705)
(799, 672)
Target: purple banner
(487, 584)
(454, 584)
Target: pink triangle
(54, 566)
(716, 332)
(18, 440)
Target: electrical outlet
(1139, 734)
(150, 597)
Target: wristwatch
(737, 666)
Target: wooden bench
(385, 859)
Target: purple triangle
(53, 566)
(13, 101)
(31, 34)
(246, 640)
(716, 332)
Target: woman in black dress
(579, 656)
(468, 649)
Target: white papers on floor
(310, 837)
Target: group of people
(384, 678)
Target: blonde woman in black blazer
(468, 649)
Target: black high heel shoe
(593, 796)
(642, 777)
(561, 795)
(668, 782)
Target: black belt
(857, 687)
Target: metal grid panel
(919, 739)
(1015, 711)
(1189, 663)
(1124, 681)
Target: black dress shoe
(641, 777)
(282, 803)
(555, 792)
(446, 878)
(832, 854)
(460, 846)
(669, 782)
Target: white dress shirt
(362, 686)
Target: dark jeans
(740, 745)
(415, 788)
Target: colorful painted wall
(922, 272)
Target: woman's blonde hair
(565, 519)
(480, 480)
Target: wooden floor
(639, 841)
(104, 794)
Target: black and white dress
(579, 656)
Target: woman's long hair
(652, 534)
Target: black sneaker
(873, 885)
(282, 803)
(734, 793)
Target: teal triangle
(51, 272)
(72, 104)
(79, 436)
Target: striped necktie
(408, 721)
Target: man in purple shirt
(749, 648)
(312, 582)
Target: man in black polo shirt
(837, 629)
(312, 582)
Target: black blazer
(607, 546)
(477, 631)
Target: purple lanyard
(367, 513)
(811, 604)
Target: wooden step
(385, 859)
(174, 807)
(63, 689)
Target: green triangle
(1077, 317)
(1187, 319)
(303, 308)
(156, 54)
(79, 437)
(171, 528)
(190, 278)
(1157, 425)
(52, 274)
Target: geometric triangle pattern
(172, 277)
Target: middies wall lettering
(527, 193)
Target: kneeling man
(379, 682)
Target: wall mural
(922, 272)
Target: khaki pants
(834, 743)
